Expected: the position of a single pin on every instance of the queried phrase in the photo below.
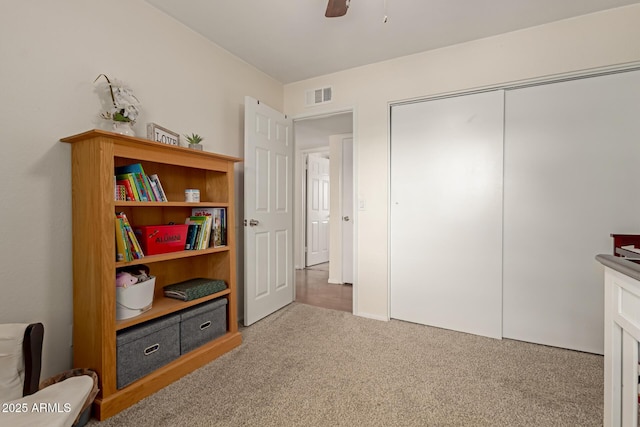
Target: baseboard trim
(372, 316)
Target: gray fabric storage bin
(202, 323)
(146, 347)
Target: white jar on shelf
(192, 195)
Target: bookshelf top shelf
(128, 143)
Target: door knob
(253, 222)
(345, 218)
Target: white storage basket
(135, 299)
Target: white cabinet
(621, 335)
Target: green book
(194, 288)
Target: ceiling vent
(319, 96)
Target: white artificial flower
(124, 106)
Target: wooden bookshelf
(94, 155)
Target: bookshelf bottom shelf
(111, 404)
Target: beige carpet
(309, 366)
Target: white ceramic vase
(123, 128)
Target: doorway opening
(314, 288)
(323, 190)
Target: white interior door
(347, 210)
(317, 210)
(268, 209)
(446, 213)
(572, 154)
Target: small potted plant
(194, 141)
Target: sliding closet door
(572, 161)
(446, 213)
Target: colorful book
(132, 184)
(206, 236)
(135, 245)
(122, 251)
(127, 187)
(147, 186)
(192, 232)
(121, 193)
(130, 250)
(218, 227)
(132, 168)
(163, 196)
(202, 211)
(154, 188)
(142, 190)
(142, 181)
(201, 221)
(193, 240)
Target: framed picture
(159, 134)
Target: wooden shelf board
(122, 203)
(148, 259)
(143, 144)
(164, 306)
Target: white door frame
(299, 195)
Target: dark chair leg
(32, 350)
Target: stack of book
(207, 228)
(127, 246)
(137, 185)
(198, 232)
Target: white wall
(597, 40)
(51, 52)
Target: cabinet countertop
(622, 265)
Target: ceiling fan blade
(336, 8)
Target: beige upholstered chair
(61, 401)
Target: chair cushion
(11, 360)
(55, 406)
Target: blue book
(142, 181)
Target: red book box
(160, 239)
